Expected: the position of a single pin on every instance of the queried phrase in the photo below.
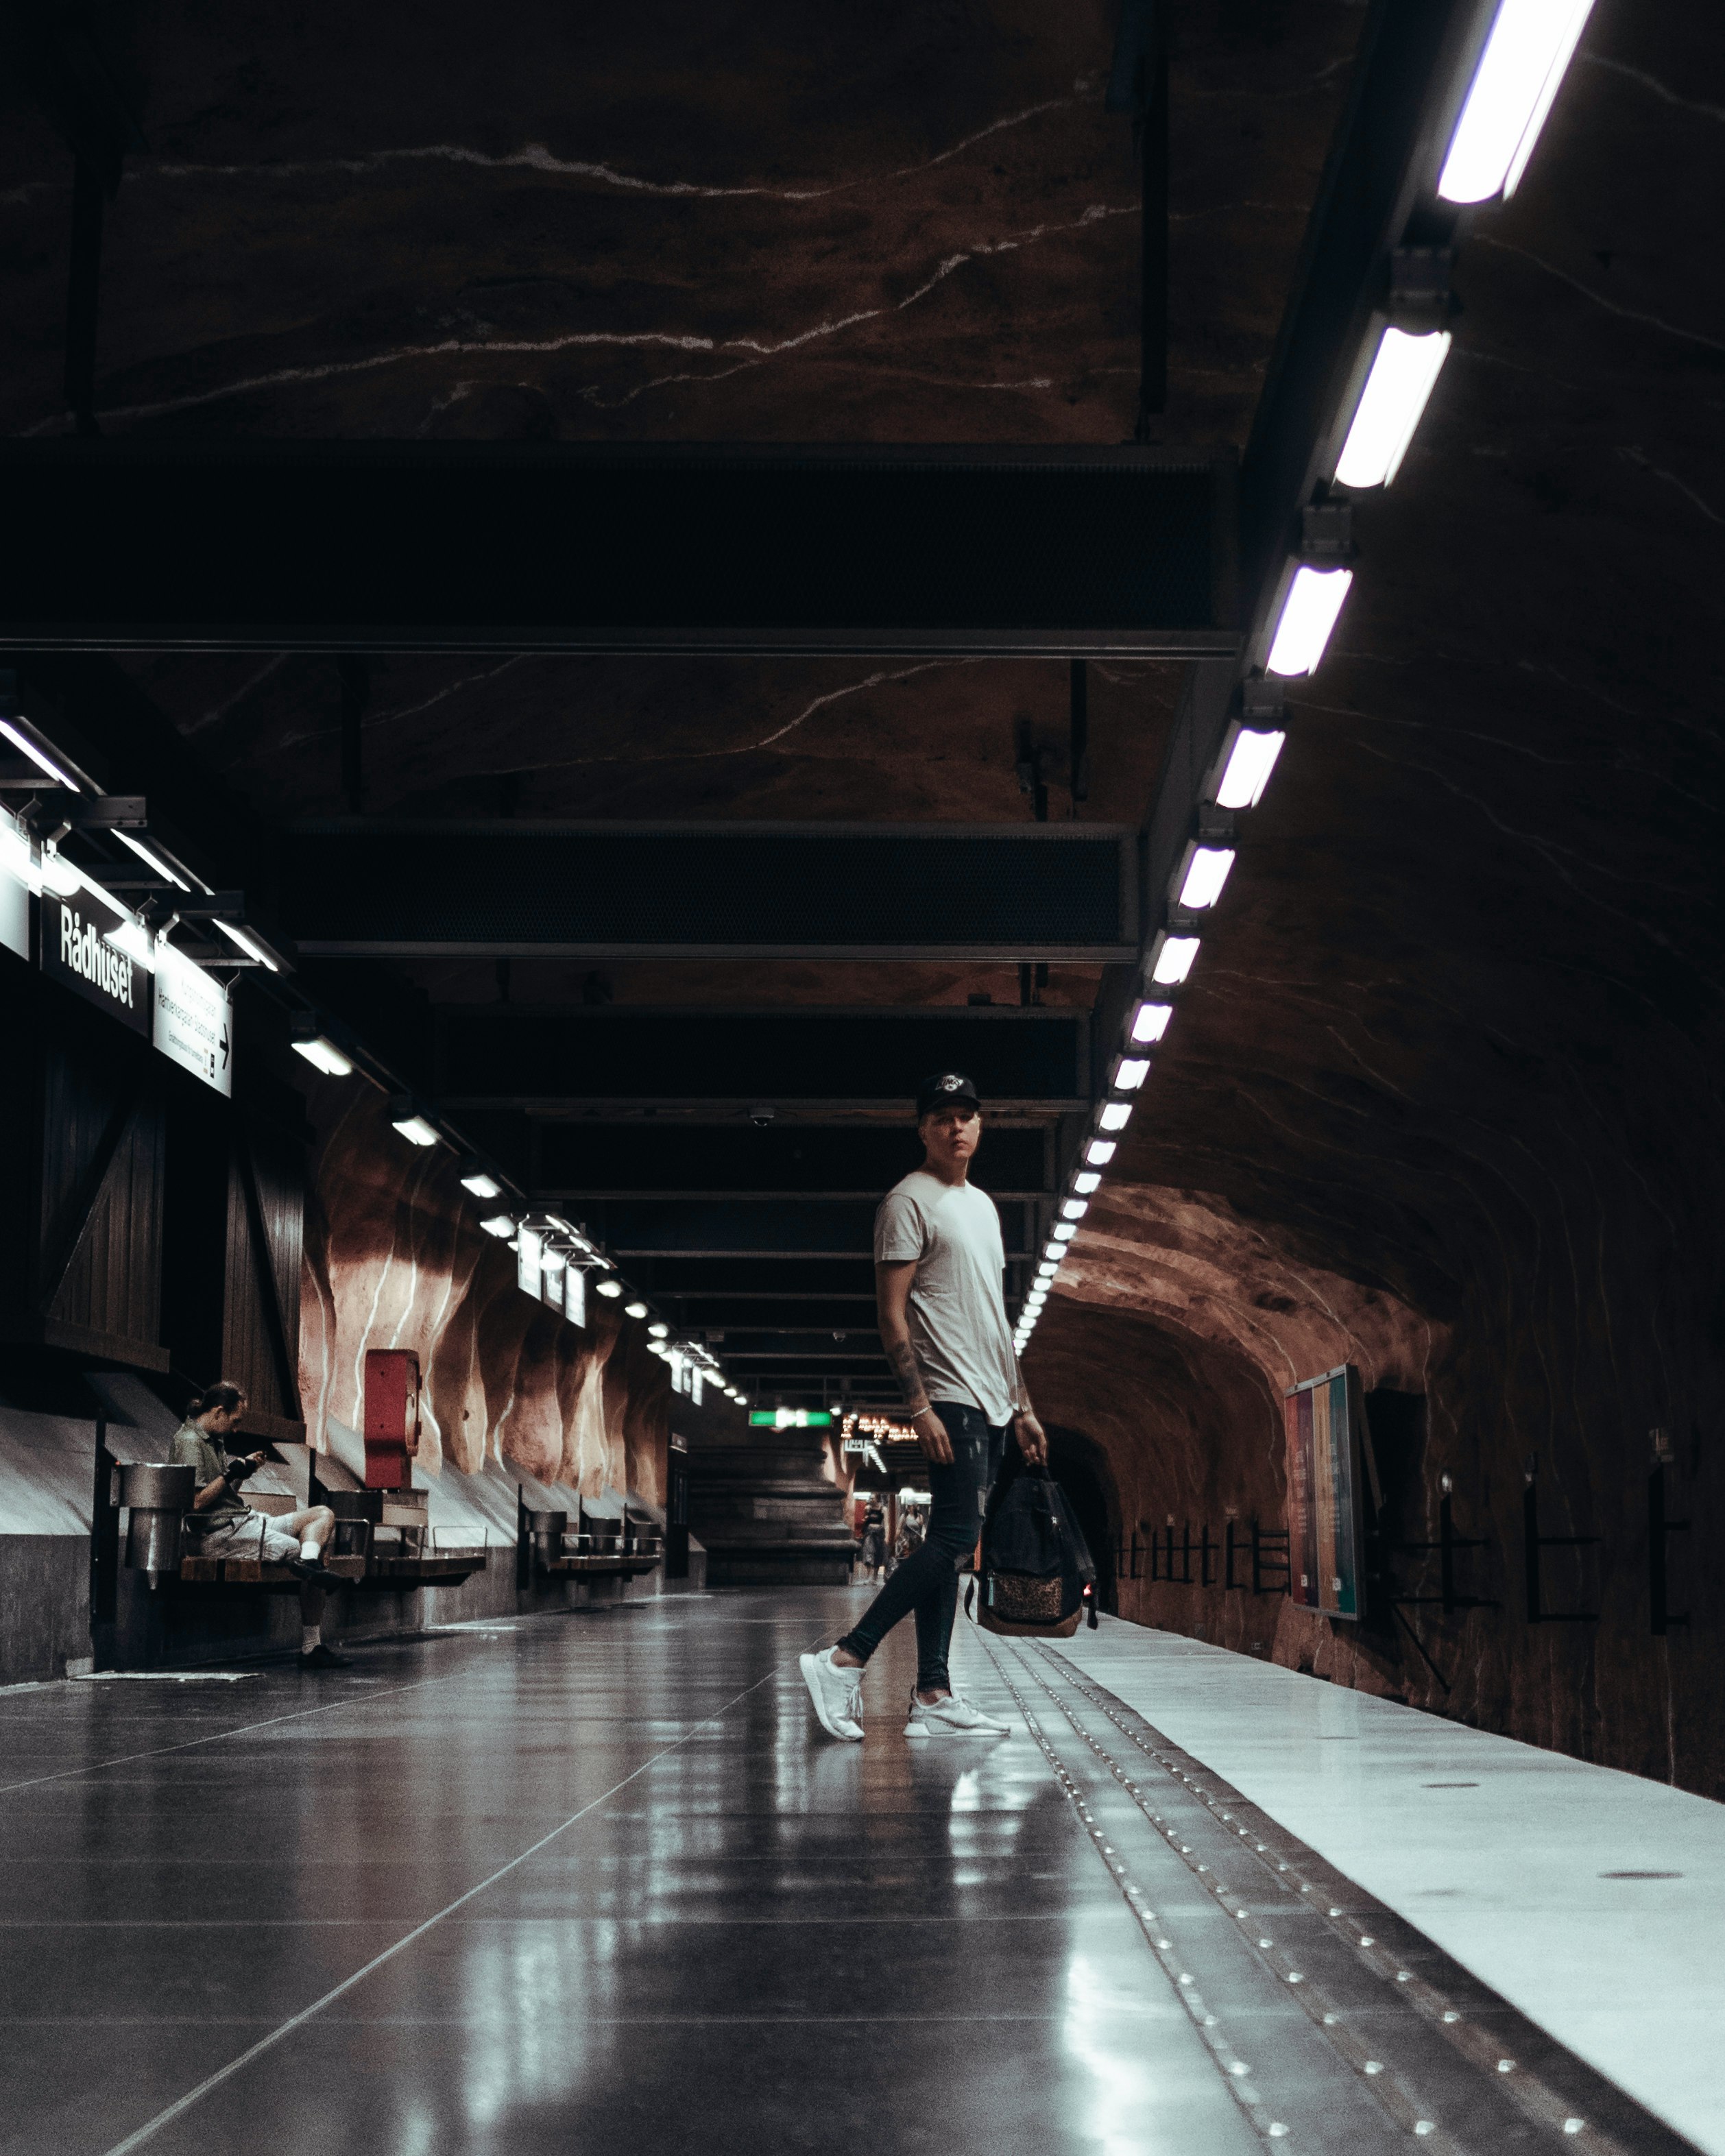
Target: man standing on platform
(939, 1265)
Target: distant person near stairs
(939, 1263)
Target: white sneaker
(836, 1694)
(951, 1717)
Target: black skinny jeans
(928, 1581)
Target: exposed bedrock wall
(395, 1257)
(1560, 1318)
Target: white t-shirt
(956, 1309)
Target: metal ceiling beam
(755, 1274)
(491, 1055)
(456, 546)
(578, 1159)
(504, 888)
(647, 1227)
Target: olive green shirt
(195, 1449)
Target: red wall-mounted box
(391, 1431)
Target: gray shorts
(253, 1534)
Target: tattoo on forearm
(899, 1354)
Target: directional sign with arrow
(194, 1021)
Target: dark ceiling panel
(568, 547)
(496, 1052)
(959, 891)
(698, 1278)
(579, 1159)
(840, 1226)
(739, 1318)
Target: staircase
(766, 1512)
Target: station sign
(527, 1269)
(575, 1295)
(194, 1020)
(790, 1418)
(14, 889)
(77, 952)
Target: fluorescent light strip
(40, 757)
(133, 938)
(1404, 371)
(1173, 960)
(1519, 74)
(482, 1185)
(1086, 1181)
(1206, 873)
(1100, 1151)
(1308, 614)
(1074, 1209)
(152, 859)
(416, 1130)
(1250, 764)
(247, 943)
(324, 1055)
(1130, 1073)
(1150, 1022)
(1115, 1115)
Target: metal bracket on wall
(1658, 1527)
(1534, 1544)
(1447, 1544)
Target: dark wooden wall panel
(265, 1237)
(108, 1297)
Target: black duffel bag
(1037, 1574)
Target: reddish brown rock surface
(394, 1257)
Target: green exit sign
(790, 1418)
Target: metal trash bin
(547, 1530)
(157, 1499)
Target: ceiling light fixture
(151, 859)
(1115, 1115)
(1130, 1073)
(1173, 960)
(1074, 1209)
(133, 938)
(415, 1129)
(499, 1224)
(1064, 1231)
(1512, 89)
(324, 1055)
(39, 756)
(474, 1178)
(1246, 774)
(659, 1330)
(250, 945)
(1206, 872)
(1100, 1151)
(634, 1310)
(1086, 1181)
(551, 1259)
(1308, 614)
(1404, 372)
(1150, 1022)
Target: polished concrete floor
(595, 1883)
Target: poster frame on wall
(1324, 1423)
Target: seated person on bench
(225, 1525)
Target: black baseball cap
(941, 1090)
